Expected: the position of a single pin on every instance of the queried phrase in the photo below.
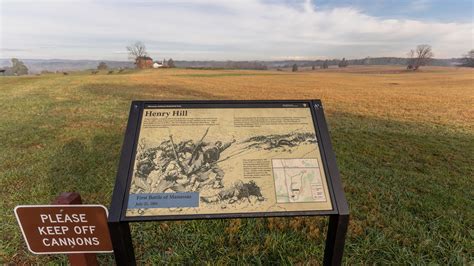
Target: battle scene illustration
(195, 166)
(283, 142)
(229, 160)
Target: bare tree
(137, 50)
(468, 59)
(419, 57)
(171, 63)
(294, 68)
(102, 65)
(411, 59)
(343, 63)
(325, 64)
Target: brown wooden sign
(59, 229)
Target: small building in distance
(158, 64)
(161, 64)
(143, 62)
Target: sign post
(186, 160)
(88, 259)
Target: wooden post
(88, 259)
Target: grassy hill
(404, 143)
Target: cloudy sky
(234, 29)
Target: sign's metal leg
(122, 243)
(335, 239)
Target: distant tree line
(245, 65)
(363, 61)
(320, 63)
(256, 65)
(342, 63)
(15, 66)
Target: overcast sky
(234, 29)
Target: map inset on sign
(298, 180)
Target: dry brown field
(437, 95)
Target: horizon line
(227, 60)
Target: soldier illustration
(173, 178)
(175, 175)
(146, 163)
(273, 143)
(238, 191)
(185, 166)
(205, 161)
(166, 155)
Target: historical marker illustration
(226, 160)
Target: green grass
(409, 185)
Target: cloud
(219, 30)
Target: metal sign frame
(119, 223)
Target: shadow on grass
(86, 167)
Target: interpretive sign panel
(59, 229)
(226, 159)
(229, 159)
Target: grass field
(404, 143)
